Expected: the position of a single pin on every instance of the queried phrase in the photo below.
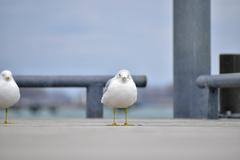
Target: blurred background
(91, 37)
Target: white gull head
(123, 76)
(6, 75)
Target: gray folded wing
(107, 85)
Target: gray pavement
(63, 139)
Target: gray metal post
(94, 105)
(212, 83)
(213, 103)
(191, 57)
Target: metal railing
(213, 83)
(94, 85)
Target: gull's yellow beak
(124, 79)
(7, 78)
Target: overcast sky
(103, 36)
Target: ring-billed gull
(120, 92)
(9, 92)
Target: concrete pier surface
(80, 139)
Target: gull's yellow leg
(114, 117)
(126, 116)
(6, 116)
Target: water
(144, 112)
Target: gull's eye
(119, 75)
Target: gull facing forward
(120, 92)
(9, 92)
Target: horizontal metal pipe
(234, 115)
(228, 80)
(69, 81)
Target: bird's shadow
(122, 125)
